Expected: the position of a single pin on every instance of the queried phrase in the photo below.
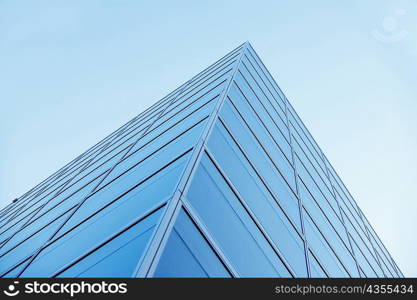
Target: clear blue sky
(73, 71)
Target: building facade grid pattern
(220, 178)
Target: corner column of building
(149, 261)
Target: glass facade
(220, 178)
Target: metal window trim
(260, 102)
(326, 243)
(183, 205)
(260, 177)
(259, 118)
(113, 236)
(266, 86)
(268, 76)
(241, 118)
(144, 268)
(245, 66)
(324, 214)
(252, 215)
(82, 201)
(348, 252)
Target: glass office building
(220, 178)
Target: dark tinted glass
(187, 253)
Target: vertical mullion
(166, 224)
(358, 211)
(300, 202)
(36, 211)
(61, 189)
(98, 184)
(341, 215)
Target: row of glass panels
(261, 120)
(202, 105)
(146, 186)
(315, 172)
(190, 100)
(124, 134)
(48, 220)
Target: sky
(71, 72)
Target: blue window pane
(383, 256)
(158, 106)
(322, 213)
(354, 226)
(298, 124)
(261, 85)
(160, 186)
(211, 73)
(119, 256)
(364, 247)
(263, 164)
(42, 194)
(315, 189)
(81, 188)
(14, 273)
(78, 188)
(275, 128)
(303, 143)
(267, 78)
(52, 189)
(310, 162)
(272, 91)
(242, 133)
(275, 145)
(322, 250)
(315, 269)
(254, 82)
(12, 227)
(178, 260)
(187, 253)
(68, 250)
(162, 149)
(27, 208)
(28, 246)
(195, 99)
(43, 219)
(9, 215)
(98, 167)
(338, 247)
(206, 73)
(383, 264)
(190, 105)
(340, 187)
(231, 226)
(5, 211)
(126, 135)
(116, 216)
(124, 141)
(352, 211)
(179, 123)
(212, 70)
(254, 193)
(140, 170)
(26, 211)
(366, 268)
(380, 248)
